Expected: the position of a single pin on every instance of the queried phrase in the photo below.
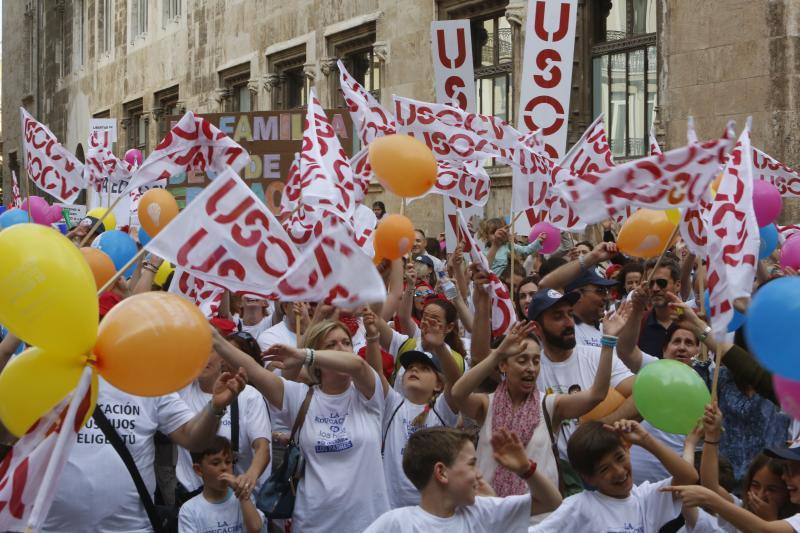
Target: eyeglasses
(661, 282)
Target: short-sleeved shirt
(652, 336)
(645, 510)
(577, 373)
(199, 515)
(342, 489)
(95, 491)
(486, 515)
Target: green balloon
(670, 395)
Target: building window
(135, 124)
(105, 25)
(80, 32)
(171, 10)
(288, 81)
(166, 105)
(236, 90)
(625, 75)
(492, 52)
(358, 52)
(138, 19)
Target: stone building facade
(639, 61)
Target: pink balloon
(766, 202)
(788, 392)
(134, 157)
(790, 253)
(54, 214)
(552, 237)
(39, 209)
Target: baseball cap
(590, 277)
(425, 260)
(547, 298)
(417, 356)
(790, 453)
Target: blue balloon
(13, 217)
(2, 209)
(769, 240)
(119, 246)
(737, 320)
(144, 238)
(772, 330)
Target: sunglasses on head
(420, 294)
(662, 283)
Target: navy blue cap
(425, 260)
(782, 452)
(590, 277)
(544, 299)
(417, 356)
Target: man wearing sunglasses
(665, 280)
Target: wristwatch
(219, 413)
(704, 335)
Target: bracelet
(373, 338)
(715, 442)
(309, 358)
(609, 340)
(219, 413)
(530, 471)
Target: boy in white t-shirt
(601, 455)
(442, 465)
(216, 508)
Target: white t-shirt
(579, 369)
(486, 515)
(401, 412)
(257, 329)
(645, 510)
(794, 521)
(645, 465)
(253, 424)
(588, 335)
(95, 491)
(342, 489)
(277, 334)
(199, 515)
(706, 523)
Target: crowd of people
(412, 416)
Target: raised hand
(370, 320)
(614, 321)
(411, 275)
(604, 251)
(630, 431)
(500, 237)
(509, 452)
(243, 485)
(284, 356)
(712, 422)
(227, 388)
(433, 335)
(692, 495)
(512, 343)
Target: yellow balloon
(47, 290)
(109, 223)
(33, 383)
(674, 215)
(163, 273)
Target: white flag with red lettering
(16, 197)
(370, 119)
(53, 168)
(675, 179)
(205, 295)
(466, 181)
(29, 472)
(228, 237)
(787, 232)
(733, 242)
(334, 270)
(362, 174)
(364, 224)
(767, 168)
(655, 149)
(503, 314)
(102, 164)
(192, 144)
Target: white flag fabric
(192, 144)
(655, 149)
(364, 224)
(228, 237)
(675, 179)
(787, 232)
(204, 294)
(370, 119)
(362, 174)
(734, 241)
(29, 472)
(333, 270)
(102, 164)
(16, 197)
(767, 168)
(694, 225)
(503, 314)
(53, 168)
(466, 181)
(290, 197)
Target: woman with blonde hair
(340, 437)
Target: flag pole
(663, 252)
(701, 278)
(513, 258)
(119, 272)
(100, 221)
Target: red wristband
(530, 471)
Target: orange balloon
(152, 344)
(403, 165)
(609, 404)
(645, 233)
(394, 237)
(157, 208)
(102, 266)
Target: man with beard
(581, 277)
(565, 365)
(664, 281)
